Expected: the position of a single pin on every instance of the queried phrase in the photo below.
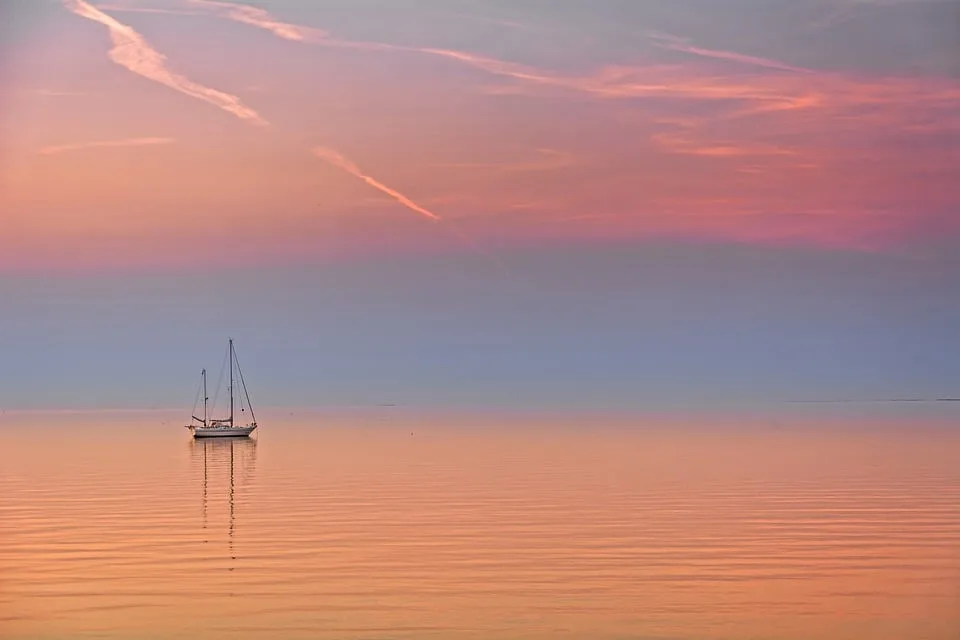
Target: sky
(533, 202)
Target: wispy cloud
(127, 142)
(836, 14)
(613, 82)
(675, 43)
(758, 94)
(508, 24)
(132, 51)
(120, 8)
(257, 17)
(546, 160)
(337, 160)
(684, 142)
(753, 127)
(799, 118)
(53, 93)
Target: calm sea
(383, 524)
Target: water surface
(387, 524)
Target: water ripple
(343, 533)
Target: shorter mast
(203, 390)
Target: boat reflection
(227, 463)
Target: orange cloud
(129, 142)
(768, 155)
(53, 93)
(687, 143)
(256, 17)
(132, 51)
(135, 9)
(337, 160)
(805, 89)
(612, 82)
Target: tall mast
(205, 398)
(231, 382)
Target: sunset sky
(521, 201)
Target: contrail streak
(132, 51)
(129, 142)
(337, 160)
(256, 17)
(675, 43)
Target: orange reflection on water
(388, 524)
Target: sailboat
(229, 427)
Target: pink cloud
(132, 51)
(128, 142)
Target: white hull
(207, 427)
(222, 432)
